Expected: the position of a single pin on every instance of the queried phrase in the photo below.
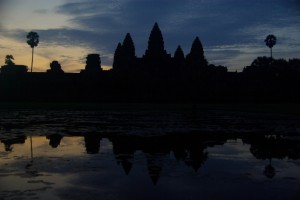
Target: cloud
(216, 22)
(98, 26)
(3, 4)
(235, 55)
(41, 11)
(119, 17)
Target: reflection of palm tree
(29, 167)
(31, 149)
(32, 41)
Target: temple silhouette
(157, 76)
(156, 60)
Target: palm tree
(270, 42)
(32, 41)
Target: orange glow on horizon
(71, 58)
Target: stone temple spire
(195, 58)
(156, 47)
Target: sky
(232, 31)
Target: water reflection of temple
(9, 142)
(188, 149)
(273, 146)
(92, 143)
(54, 140)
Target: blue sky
(232, 31)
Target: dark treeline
(156, 77)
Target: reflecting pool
(148, 155)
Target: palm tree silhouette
(270, 42)
(32, 41)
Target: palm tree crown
(32, 39)
(270, 42)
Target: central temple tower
(156, 46)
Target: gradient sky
(231, 31)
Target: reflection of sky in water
(68, 172)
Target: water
(149, 154)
